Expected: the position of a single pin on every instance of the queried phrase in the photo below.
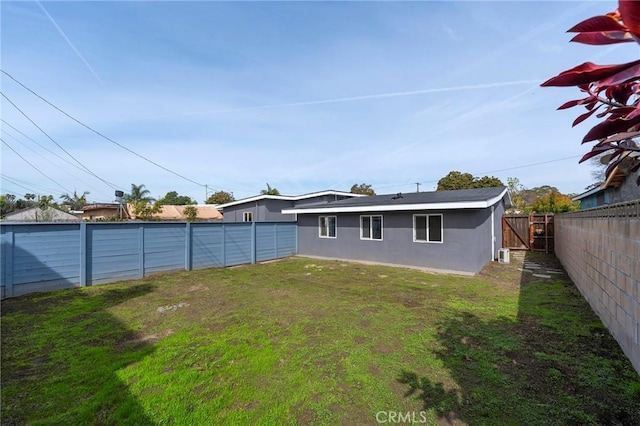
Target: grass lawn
(303, 341)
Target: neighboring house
(620, 186)
(268, 208)
(36, 214)
(447, 231)
(102, 211)
(594, 198)
(170, 212)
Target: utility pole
(417, 186)
(206, 192)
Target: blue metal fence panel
(164, 247)
(286, 240)
(113, 252)
(6, 258)
(47, 257)
(207, 245)
(237, 243)
(266, 248)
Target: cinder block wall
(600, 250)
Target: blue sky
(306, 96)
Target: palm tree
(75, 201)
(139, 193)
(270, 191)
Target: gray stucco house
(268, 208)
(447, 231)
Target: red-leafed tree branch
(612, 91)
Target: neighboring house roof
(288, 197)
(587, 193)
(436, 200)
(36, 214)
(96, 206)
(171, 212)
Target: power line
(49, 161)
(46, 149)
(57, 144)
(37, 169)
(13, 181)
(100, 134)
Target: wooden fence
(49, 256)
(528, 232)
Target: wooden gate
(528, 232)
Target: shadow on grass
(554, 364)
(61, 352)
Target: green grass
(303, 341)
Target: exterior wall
(263, 211)
(466, 245)
(600, 250)
(45, 257)
(99, 214)
(269, 210)
(598, 199)
(628, 190)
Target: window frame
(247, 214)
(370, 237)
(428, 233)
(335, 226)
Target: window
(370, 227)
(427, 228)
(247, 216)
(327, 226)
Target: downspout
(493, 233)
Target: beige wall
(99, 214)
(600, 250)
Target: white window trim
(245, 214)
(427, 222)
(320, 226)
(371, 227)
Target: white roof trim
(287, 197)
(402, 207)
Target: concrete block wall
(600, 250)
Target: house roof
(96, 206)
(436, 200)
(171, 212)
(588, 193)
(288, 197)
(31, 214)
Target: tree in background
(220, 197)
(362, 188)
(611, 90)
(144, 210)
(270, 191)
(555, 202)
(139, 193)
(75, 201)
(173, 199)
(191, 213)
(515, 190)
(456, 180)
(7, 204)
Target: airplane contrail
(55, 24)
(365, 97)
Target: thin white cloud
(73, 47)
(365, 97)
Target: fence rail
(50, 256)
(626, 209)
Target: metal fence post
(187, 249)
(83, 254)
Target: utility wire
(100, 134)
(31, 185)
(37, 169)
(51, 162)
(47, 149)
(57, 144)
(14, 182)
